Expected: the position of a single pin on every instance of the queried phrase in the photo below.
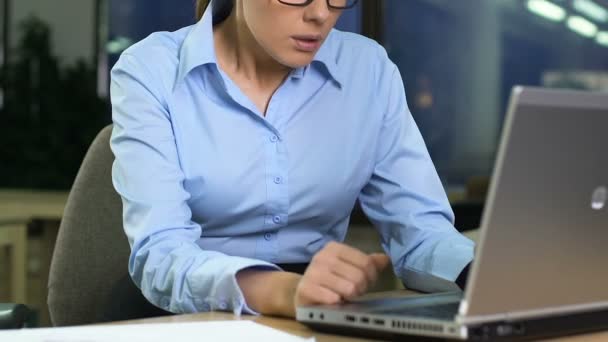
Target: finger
(381, 260)
(342, 286)
(351, 255)
(356, 258)
(359, 277)
(310, 294)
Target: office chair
(89, 280)
(14, 316)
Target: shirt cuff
(447, 261)
(241, 306)
(221, 288)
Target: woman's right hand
(338, 273)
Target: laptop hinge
(529, 314)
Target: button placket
(276, 206)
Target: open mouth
(307, 43)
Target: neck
(239, 53)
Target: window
(460, 59)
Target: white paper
(237, 331)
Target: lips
(307, 43)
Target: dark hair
(221, 9)
(201, 6)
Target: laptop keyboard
(442, 311)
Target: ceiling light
(547, 10)
(592, 10)
(582, 26)
(602, 38)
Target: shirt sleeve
(172, 271)
(407, 204)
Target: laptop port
(504, 330)
(364, 320)
(379, 322)
(350, 318)
(509, 329)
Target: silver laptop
(541, 265)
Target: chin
(297, 59)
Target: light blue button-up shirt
(210, 186)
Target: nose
(318, 11)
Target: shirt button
(223, 305)
(206, 307)
(268, 236)
(278, 180)
(274, 138)
(276, 219)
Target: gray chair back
(91, 253)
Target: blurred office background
(459, 61)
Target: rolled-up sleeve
(170, 268)
(406, 202)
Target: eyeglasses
(333, 4)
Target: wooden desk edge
(293, 327)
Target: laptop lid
(543, 245)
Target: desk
(295, 328)
(17, 209)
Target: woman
(242, 144)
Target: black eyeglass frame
(308, 2)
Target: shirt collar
(198, 49)
(327, 56)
